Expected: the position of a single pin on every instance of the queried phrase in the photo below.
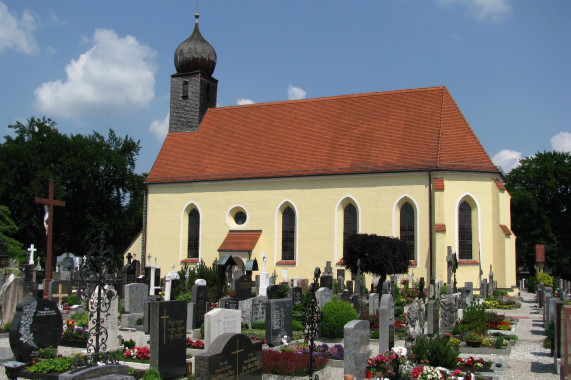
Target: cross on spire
(50, 202)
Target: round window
(240, 218)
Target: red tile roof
(506, 229)
(499, 184)
(243, 241)
(416, 129)
(439, 227)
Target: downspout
(430, 227)
(144, 230)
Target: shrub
(545, 278)
(186, 296)
(288, 363)
(438, 351)
(47, 353)
(80, 319)
(297, 325)
(52, 365)
(259, 325)
(532, 284)
(128, 344)
(399, 310)
(152, 374)
(444, 289)
(335, 315)
(475, 319)
(499, 342)
(375, 334)
(73, 299)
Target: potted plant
(473, 339)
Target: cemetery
(207, 322)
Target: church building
(293, 179)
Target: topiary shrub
(438, 351)
(335, 315)
(545, 278)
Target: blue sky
(95, 65)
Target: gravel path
(528, 358)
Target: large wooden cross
(50, 202)
(60, 294)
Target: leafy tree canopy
(379, 255)
(93, 174)
(541, 197)
(8, 245)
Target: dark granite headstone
(231, 356)
(349, 285)
(296, 295)
(278, 320)
(243, 287)
(147, 313)
(326, 281)
(229, 303)
(37, 324)
(199, 297)
(168, 338)
(273, 292)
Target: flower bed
(138, 354)
(196, 344)
(72, 332)
(288, 363)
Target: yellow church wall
(317, 203)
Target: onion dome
(195, 54)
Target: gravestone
(12, 293)
(557, 309)
(356, 348)
(60, 290)
(273, 292)
(278, 320)
(296, 295)
(243, 287)
(199, 298)
(37, 324)
(387, 288)
(229, 303)
(108, 340)
(135, 297)
(190, 315)
(254, 310)
(323, 295)
(340, 284)
(469, 293)
(303, 284)
(386, 323)
(231, 356)
(373, 303)
(147, 314)
(448, 313)
(484, 289)
(433, 317)
(220, 321)
(349, 286)
(414, 322)
(565, 367)
(546, 305)
(437, 285)
(540, 294)
(172, 280)
(168, 338)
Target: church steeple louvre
(193, 89)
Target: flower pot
(473, 343)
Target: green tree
(93, 174)
(380, 255)
(8, 245)
(541, 197)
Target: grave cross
(164, 318)
(59, 296)
(50, 202)
(237, 353)
(32, 249)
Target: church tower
(193, 89)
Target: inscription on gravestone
(278, 320)
(243, 286)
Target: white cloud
(242, 102)
(295, 93)
(17, 34)
(160, 128)
(484, 9)
(507, 159)
(561, 142)
(116, 75)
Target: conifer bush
(335, 315)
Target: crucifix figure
(32, 249)
(49, 202)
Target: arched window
(465, 231)
(185, 89)
(193, 233)
(349, 221)
(288, 234)
(407, 227)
